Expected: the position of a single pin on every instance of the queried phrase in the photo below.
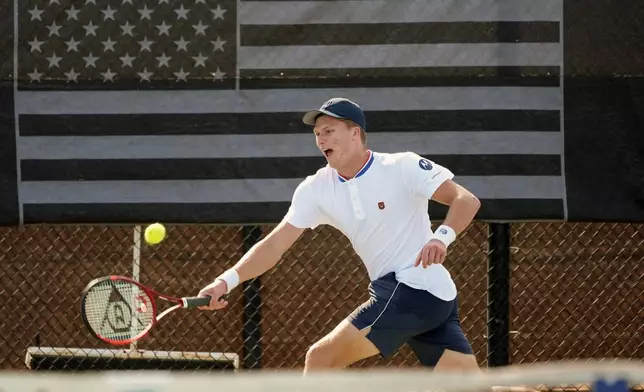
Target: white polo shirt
(383, 213)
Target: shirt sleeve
(304, 211)
(423, 176)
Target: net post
(498, 295)
(252, 333)
(136, 264)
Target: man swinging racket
(380, 202)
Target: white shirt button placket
(358, 211)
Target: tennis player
(380, 202)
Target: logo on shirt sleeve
(381, 205)
(425, 164)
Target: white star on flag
(54, 29)
(54, 60)
(72, 76)
(218, 75)
(163, 60)
(145, 75)
(35, 45)
(145, 13)
(90, 29)
(182, 44)
(90, 61)
(36, 13)
(72, 13)
(35, 75)
(72, 45)
(108, 13)
(127, 60)
(145, 44)
(108, 45)
(200, 28)
(182, 13)
(127, 29)
(108, 75)
(164, 29)
(218, 44)
(218, 13)
(200, 60)
(181, 75)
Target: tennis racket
(119, 310)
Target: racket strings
(118, 310)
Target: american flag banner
(190, 110)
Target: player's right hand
(216, 291)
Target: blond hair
(363, 134)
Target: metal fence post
(252, 333)
(498, 299)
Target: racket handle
(193, 302)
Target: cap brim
(311, 115)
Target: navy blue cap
(338, 108)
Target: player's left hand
(432, 253)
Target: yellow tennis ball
(154, 233)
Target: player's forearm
(260, 258)
(461, 212)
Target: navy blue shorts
(399, 314)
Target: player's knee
(320, 355)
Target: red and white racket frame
(180, 302)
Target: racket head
(118, 310)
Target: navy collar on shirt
(362, 171)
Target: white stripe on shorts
(383, 310)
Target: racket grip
(193, 302)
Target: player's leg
(371, 329)
(343, 346)
(445, 348)
(457, 361)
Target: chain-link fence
(574, 292)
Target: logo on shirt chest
(381, 205)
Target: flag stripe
(252, 190)
(285, 145)
(285, 123)
(128, 84)
(264, 168)
(286, 100)
(403, 55)
(399, 11)
(399, 33)
(249, 213)
(546, 76)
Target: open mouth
(328, 152)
